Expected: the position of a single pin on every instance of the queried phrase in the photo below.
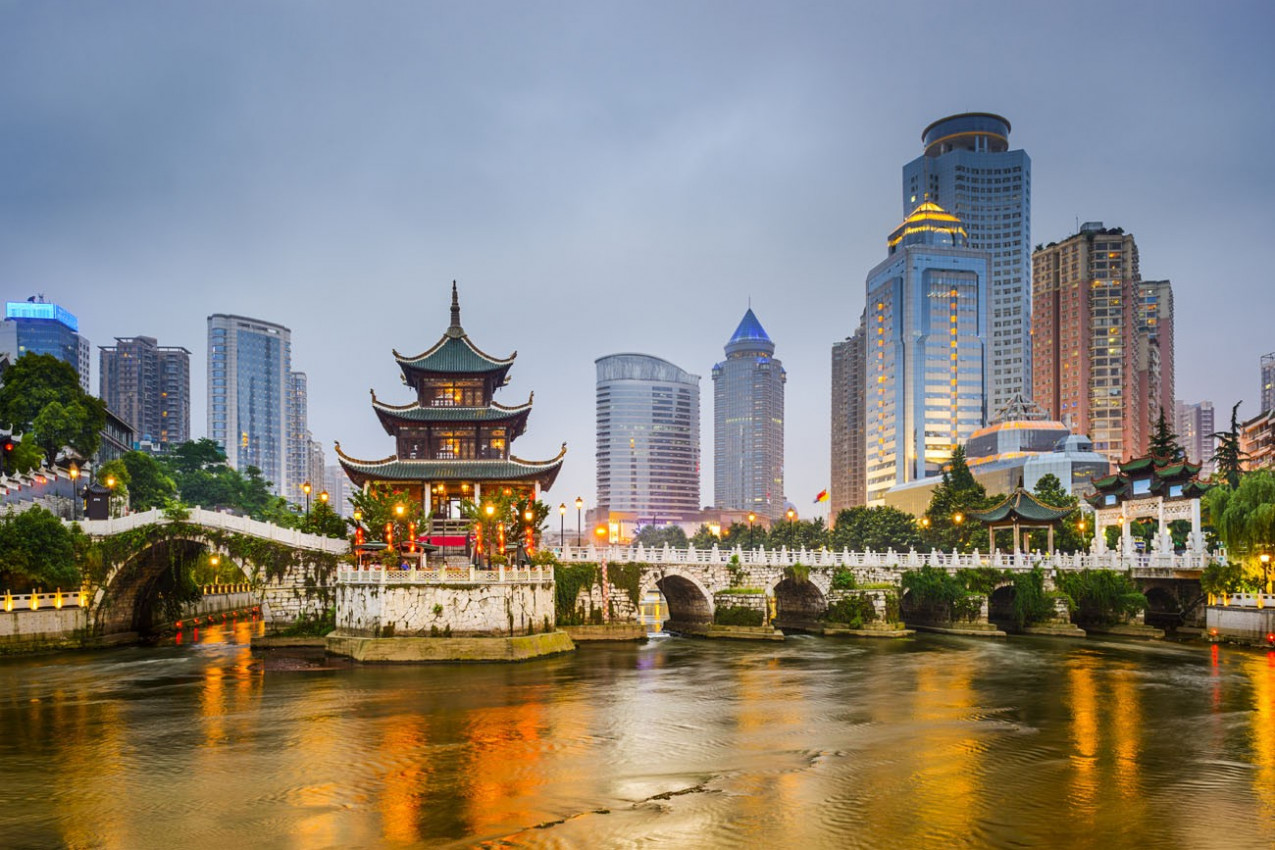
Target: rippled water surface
(926, 742)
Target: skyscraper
(148, 386)
(1194, 425)
(968, 169)
(299, 439)
(925, 332)
(249, 381)
(1155, 349)
(1268, 382)
(846, 486)
(648, 438)
(1086, 325)
(37, 326)
(748, 423)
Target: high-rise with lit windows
(249, 385)
(924, 327)
(968, 169)
(1087, 325)
(748, 423)
(148, 386)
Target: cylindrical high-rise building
(647, 439)
(748, 424)
(968, 169)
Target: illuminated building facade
(1087, 326)
(968, 169)
(925, 337)
(148, 385)
(748, 423)
(452, 443)
(249, 384)
(1194, 424)
(846, 486)
(648, 447)
(1267, 396)
(1155, 349)
(37, 326)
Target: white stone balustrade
(444, 575)
(1160, 564)
(215, 519)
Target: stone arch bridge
(692, 581)
(292, 572)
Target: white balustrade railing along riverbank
(442, 574)
(56, 599)
(1152, 564)
(216, 519)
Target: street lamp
(752, 517)
(958, 517)
(925, 522)
(1265, 558)
(562, 524)
(491, 540)
(305, 488)
(323, 497)
(74, 472)
(579, 505)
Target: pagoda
(453, 442)
(1160, 488)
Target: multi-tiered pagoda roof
(1148, 476)
(453, 438)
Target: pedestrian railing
(58, 599)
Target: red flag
(822, 497)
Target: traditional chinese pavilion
(1164, 489)
(1021, 511)
(453, 442)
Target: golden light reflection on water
(1261, 671)
(1083, 693)
(403, 783)
(946, 758)
(500, 776)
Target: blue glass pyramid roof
(750, 336)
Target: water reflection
(812, 743)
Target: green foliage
(1067, 534)
(380, 506)
(738, 615)
(1164, 443)
(956, 496)
(654, 536)
(843, 579)
(42, 395)
(37, 550)
(1228, 456)
(880, 528)
(149, 486)
(853, 611)
(1227, 577)
(569, 580)
(704, 538)
(982, 579)
(1243, 516)
(795, 534)
(26, 455)
(939, 594)
(798, 572)
(1032, 604)
(1101, 596)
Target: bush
(798, 572)
(843, 579)
(940, 594)
(1227, 577)
(982, 579)
(1031, 603)
(312, 625)
(1102, 596)
(852, 611)
(737, 615)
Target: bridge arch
(799, 605)
(1000, 605)
(690, 605)
(131, 596)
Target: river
(932, 741)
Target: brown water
(928, 742)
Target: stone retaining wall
(460, 609)
(46, 628)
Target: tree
(655, 536)
(1244, 517)
(115, 471)
(194, 455)
(37, 550)
(1228, 457)
(796, 534)
(1164, 443)
(33, 383)
(950, 506)
(704, 538)
(878, 528)
(1067, 534)
(380, 504)
(148, 485)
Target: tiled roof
(454, 355)
(395, 469)
(1021, 505)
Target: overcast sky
(603, 178)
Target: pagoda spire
(455, 330)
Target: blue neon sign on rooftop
(41, 310)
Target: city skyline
(603, 201)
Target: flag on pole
(822, 497)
